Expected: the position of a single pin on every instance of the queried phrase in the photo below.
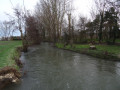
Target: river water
(49, 68)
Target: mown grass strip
(110, 52)
(8, 50)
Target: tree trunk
(24, 42)
(100, 29)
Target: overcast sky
(80, 6)
(6, 6)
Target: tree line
(53, 21)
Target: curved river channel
(49, 68)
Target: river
(49, 68)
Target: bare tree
(20, 16)
(51, 13)
(82, 26)
(6, 29)
(101, 6)
(33, 35)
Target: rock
(16, 80)
(92, 47)
(9, 75)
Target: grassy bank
(109, 52)
(8, 51)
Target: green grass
(118, 40)
(109, 48)
(7, 53)
(112, 50)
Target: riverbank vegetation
(109, 52)
(10, 64)
(102, 30)
(54, 21)
(8, 53)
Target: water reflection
(50, 68)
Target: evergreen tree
(110, 21)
